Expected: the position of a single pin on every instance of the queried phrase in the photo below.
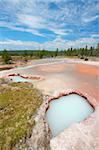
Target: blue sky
(48, 24)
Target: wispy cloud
(90, 19)
(95, 35)
(91, 12)
(51, 45)
(60, 17)
(22, 29)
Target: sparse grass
(18, 103)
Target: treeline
(83, 52)
(26, 54)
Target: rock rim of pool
(88, 98)
(28, 77)
(72, 92)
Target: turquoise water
(19, 79)
(67, 110)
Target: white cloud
(14, 27)
(61, 31)
(90, 19)
(82, 42)
(31, 21)
(33, 15)
(50, 45)
(90, 12)
(36, 15)
(95, 35)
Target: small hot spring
(67, 110)
(19, 79)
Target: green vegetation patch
(18, 105)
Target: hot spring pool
(19, 79)
(67, 110)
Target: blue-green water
(19, 79)
(67, 110)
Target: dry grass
(18, 103)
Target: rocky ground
(59, 76)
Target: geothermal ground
(63, 75)
(59, 75)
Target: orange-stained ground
(87, 69)
(62, 75)
(53, 68)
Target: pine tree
(6, 57)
